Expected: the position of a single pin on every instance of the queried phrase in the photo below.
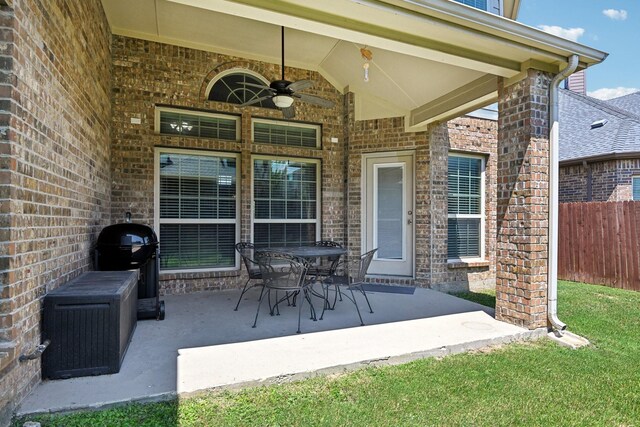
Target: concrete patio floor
(204, 344)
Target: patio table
(310, 253)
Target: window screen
(636, 188)
(465, 208)
(203, 125)
(286, 134)
(197, 210)
(285, 196)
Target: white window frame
(318, 129)
(482, 216)
(317, 221)
(160, 109)
(491, 4)
(633, 184)
(236, 71)
(156, 205)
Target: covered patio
(203, 344)
(112, 108)
(429, 62)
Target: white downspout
(552, 274)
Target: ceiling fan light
(282, 101)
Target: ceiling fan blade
(255, 85)
(289, 112)
(255, 100)
(315, 100)
(300, 85)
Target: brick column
(438, 186)
(9, 292)
(522, 212)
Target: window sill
(453, 264)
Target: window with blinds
(465, 207)
(196, 209)
(284, 133)
(174, 121)
(286, 202)
(636, 187)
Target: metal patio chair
(325, 266)
(247, 252)
(351, 275)
(286, 273)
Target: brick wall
(572, 185)
(147, 74)
(431, 150)
(55, 77)
(388, 135)
(610, 181)
(627, 169)
(472, 136)
(523, 201)
(476, 136)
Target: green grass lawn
(535, 383)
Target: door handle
(409, 221)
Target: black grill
(126, 246)
(130, 246)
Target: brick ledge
(7, 353)
(199, 275)
(470, 264)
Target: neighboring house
(118, 106)
(599, 148)
(630, 103)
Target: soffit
(417, 60)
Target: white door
(388, 213)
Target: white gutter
(554, 136)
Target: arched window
(228, 88)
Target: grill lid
(127, 234)
(125, 246)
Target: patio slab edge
(529, 335)
(298, 376)
(98, 406)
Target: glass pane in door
(389, 212)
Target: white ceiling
(431, 59)
(398, 83)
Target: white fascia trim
(450, 114)
(500, 26)
(419, 118)
(299, 14)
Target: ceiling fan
(283, 93)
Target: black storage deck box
(90, 321)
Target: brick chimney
(577, 82)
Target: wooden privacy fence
(599, 242)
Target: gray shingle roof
(620, 135)
(630, 103)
